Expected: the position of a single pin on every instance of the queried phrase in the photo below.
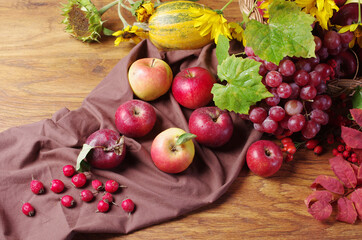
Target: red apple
(172, 150)
(107, 151)
(192, 87)
(264, 158)
(150, 78)
(212, 126)
(135, 118)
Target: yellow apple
(150, 78)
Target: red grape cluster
(300, 102)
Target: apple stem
(153, 62)
(117, 147)
(189, 74)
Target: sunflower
(208, 21)
(83, 20)
(130, 33)
(143, 10)
(322, 10)
(236, 31)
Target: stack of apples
(172, 150)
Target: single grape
(284, 90)
(258, 127)
(310, 129)
(301, 77)
(276, 113)
(322, 102)
(273, 101)
(321, 88)
(318, 43)
(273, 79)
(293, 107)
(257, 115)
(319, 116)
(270, 66)
(249, 51)
(269, 125)
(308, 92)
(315, 78)
(262, 69)
(295, 91)
(286, 67)
(323, 53)
(331, 40)
(296, 123)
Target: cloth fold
(41, 149)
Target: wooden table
(43, 69)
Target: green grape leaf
(243, 88)
(357, 98)
(82, 165)
(288, 33)
(184, 138)
(222, 48)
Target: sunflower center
(78, 20)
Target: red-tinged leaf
(357, 115)
(352, 137)
(320, 210)
(356, 198)
(358, 172)
(328, 183)
(344, 171)
(346, 211)
(318, 195)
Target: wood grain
(43, 69)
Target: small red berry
(128, 205)
(340, 148)
(68, 170)
(102, 206)
(111, 186)
(291, 149)
(354, 159)
(86, 195)
(28, 209)
(348, 148)
(107, 197)
(353, 155)
(286, 140)
(67, 201)
(345, 154)
(57, 186)
(318, 149)
(37, 186)
(289, 157)
(97, 185)
(79, 180)
(311, 144)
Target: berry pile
(79, 180)
(300, 102)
